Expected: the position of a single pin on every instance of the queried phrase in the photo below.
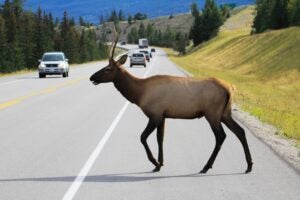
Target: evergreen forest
(26, 35)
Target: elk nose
(91, 78)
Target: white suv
(138, 59)
(53, 63)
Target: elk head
(108, 73)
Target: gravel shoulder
(284, 147)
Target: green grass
(265, 68)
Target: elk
(163, 96)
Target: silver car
(53, 63)
(138, 59)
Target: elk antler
(114, 43)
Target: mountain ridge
(92, 10)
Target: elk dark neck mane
(129, 86)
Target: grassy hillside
(265, 68)
(180, 22)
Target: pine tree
(279, 14)
(81, 21)
(14, 57)
(101, 19)
(129, 19)
(295, 13)
(194, 10)
(103, 50)
(39, 36)
(181, 40)
(168, 37)
(212, 19)
(142, 31)
(121, 16)
(2, 46)
(206, 24)
(197, 33)
(48, 32)
(271, 14)
(113, 16)
(26, 39)
(83, 52)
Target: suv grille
(51, 65)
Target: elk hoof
(156, 169)
(249, 168)
(204, 170)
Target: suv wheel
(65, 74)
(42, 75)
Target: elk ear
(122, 60)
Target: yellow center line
(47, 90)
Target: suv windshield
(137, 55)
(53, 57)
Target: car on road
(153, 50)
(123, 43)
(143, 43)
(138, 59)
(147, 54)
(53, 63)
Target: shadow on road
(117, 178)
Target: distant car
(147, 54)
(123, 43)
(53, 63)
(153, 50)
(138, 59)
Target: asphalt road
(64, 138)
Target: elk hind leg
(220, 137)
(240, 133)
(160, 138)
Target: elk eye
(107, 70)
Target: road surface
(64, 138)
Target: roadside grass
(265, 69)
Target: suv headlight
(61, 65)
(42, 65)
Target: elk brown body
(163, 96)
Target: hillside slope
(265, 68)
(180, 22)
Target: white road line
(71, 192)
(90, 162)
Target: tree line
(207, 22)
(206, 25)
(117, 16)
(25, 36)
(276, 14)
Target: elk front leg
(160, 139)
(148, 130)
